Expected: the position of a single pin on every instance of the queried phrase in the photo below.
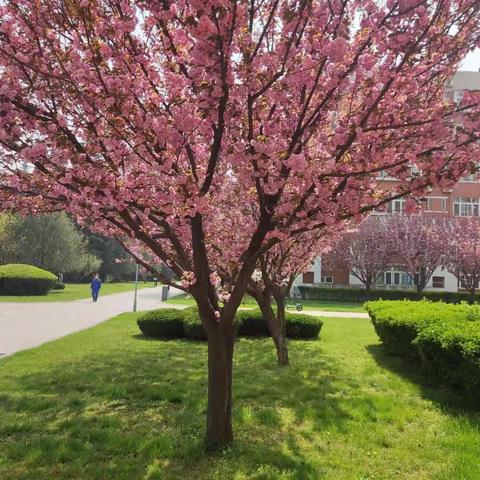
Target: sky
(471, 63)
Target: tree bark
(276, 326)
(282, 348)
(220, 337)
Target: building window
(438, 282)
(466, 207)
(396, 206)
(435, 204)
(469, 178)
(457, 96)
(384, 175)
(307, 277)
(395, 277)
(327, 279)
(415, 171)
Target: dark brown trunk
(275, 328)
(282, 348)
(220, 360)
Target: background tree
(114, 266)
(365, 252)
(7, 240)
(273, 280)
(463, 252)
(51, 242)
(419, 244)
(135, 116)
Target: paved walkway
(27, 325)
(323, 313)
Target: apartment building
(462, 200)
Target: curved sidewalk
(27, 325)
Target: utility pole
(136, 288)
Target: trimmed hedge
(302, 326)
(174, 323)
(443, 338)
(252, 323)
(20, 279)
(162, 323)
(59, 286)
(360, 295)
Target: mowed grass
(108, 404)
(75, 291)
(308, 305)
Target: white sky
(471, 63)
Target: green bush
(192, 325)
(450, 351)
(360, 295)
(299, 325)
(444, 338)
(162, 323)
(19, 279)
(59, 286)
(173, 323)
(252, 323)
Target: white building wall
(316, 268)
(451, 284)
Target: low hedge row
(20, 279)
(172, 323)
(443, 338)
(361, 295)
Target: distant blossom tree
(420, 245)
(365, 252)
(274, 277)
(463, 252)
(134, 117)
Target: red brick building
(462, 200)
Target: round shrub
(298, 325)
(252, 324)
(162, 323)
(20, 279)
(59, 286)
(192, 325)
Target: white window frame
(326, 279)
(384, 175)
(471, 178)
(443, 204)
(396, 206)
(466, 207)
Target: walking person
(96, 285)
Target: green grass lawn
(75, 291)
(328, 306)
(106, 403)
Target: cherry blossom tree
(273, 279)
(134, 116)
(365, 252)
(420, 245)
(463, 252)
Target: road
(27, 325)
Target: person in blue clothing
(96, 285)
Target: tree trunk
(282, 348)
(274, 325)
(220, 359)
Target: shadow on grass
(449, 401)
(140, 413)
